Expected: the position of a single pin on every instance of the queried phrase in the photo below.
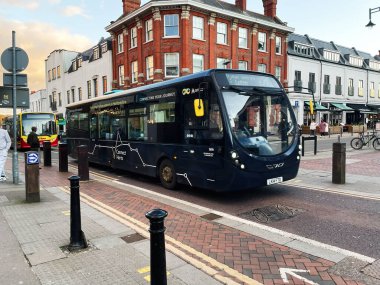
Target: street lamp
(371, 11)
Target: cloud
(54, 1)
(39, 40)
(71, 11)
(30, 5)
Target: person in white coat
(5, 145)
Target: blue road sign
(32, 158)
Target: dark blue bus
(224, 130)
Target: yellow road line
(172, 245)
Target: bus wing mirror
(199, 108)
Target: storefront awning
(340, 107)
(317, 106)
(362, 108)
(375, 109)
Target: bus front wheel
(167, 174)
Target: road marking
(292, 272)
(146, 269)
(172, 245)
(66, 213)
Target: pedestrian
(322, 128)
(33, 140)
(313, 127)
(5, 145)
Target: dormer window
(303, 49)
(357, 61)
(75, 65)
(374, 65)
(331, 55)
(104, 48)
(79, 62)
(96, 53)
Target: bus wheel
(167, 174)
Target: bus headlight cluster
(299, 151)
(235, 158)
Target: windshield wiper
(238, 90)
(252, 91)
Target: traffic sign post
(15, 60)
(32, 176)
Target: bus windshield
(44, 122)
(260, 118)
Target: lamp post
(371, 11)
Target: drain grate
(271, 213)
(211, 216)
(133, 238)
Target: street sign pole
(15, 155)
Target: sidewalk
(203, 246)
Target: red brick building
(164, 39)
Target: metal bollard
(339, 163)
(47, 153)
(32, 176)
(157, 246)
(63, 159)
(77, 238)
(83, 170)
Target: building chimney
(130, 5)
(270, 8)
(241, 4)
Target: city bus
(46, 128)
(223, 130)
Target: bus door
(204, 140)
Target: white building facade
(346, 82)
(38, 101)
(74, 76)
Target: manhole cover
(271, 213)
(133, 238)
(211, 216)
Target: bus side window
(104, 125)
(93, 126)
(137, 128)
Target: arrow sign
(293, 272)
(32, 158)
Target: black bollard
(63, 159)
(83, 171)
(339, 163)
(47, 153)
(32, 176)
(157, 246)
(77, 238)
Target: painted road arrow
(292, 272)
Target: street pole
(15, 155)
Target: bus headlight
(242, 166)
(300, 147)
(234, 154)
(298, 157)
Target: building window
(59, 99)
(54, 74)
(278, 45)
(96, 89)
(104, 80)
(171, 65)
(149, 67)
(149, 30)
(378, 91)
(49, 75)
(79, 62)
(262, 68)
(331, 55)
(243, 65)
(171, 25)
(104, 48)
(297, 81)
(68, 96)
(326, 84)
(198, 27)
(221, 37)
(374, 65)
(198, 62)
(360, 90)
(243, 38)
(80, 93)
(120, 43)
(73, 94)
(134, 37)
(351, 87)
(357, 61)
(338, 85)
(121, 75)
(89, 88)
(58, 71)
(262, 41)
(134, 72)
(372, 89)
(277, 72)
(222, 62)
(96, 53)
(302, 49)
(75, 65)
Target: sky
(43, 26)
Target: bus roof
(163, 84)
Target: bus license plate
(274, 180)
